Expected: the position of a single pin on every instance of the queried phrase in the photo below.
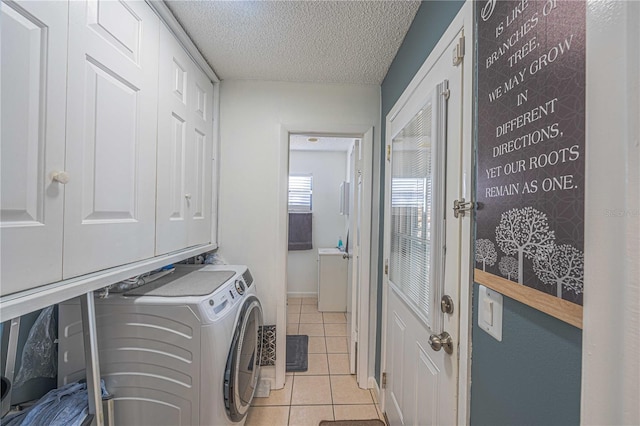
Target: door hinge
(384, 381)
(386, 267)
(458, 51)
(388, 152)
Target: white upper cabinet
(34, 66)
(111, 135)
(107, 140)
(185, 149)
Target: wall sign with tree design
(530, 156)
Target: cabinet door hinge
(458, 51)
(388, 152)
(386, 267)
(384, 381)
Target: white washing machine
(182, 350)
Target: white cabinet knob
(187, 196)
(60, 177)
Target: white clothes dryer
(182, 350)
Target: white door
(185, 142)
(111, 135)
(423, 178)
(34, 66)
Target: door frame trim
(609, 381)
(368, 245)
(462, 22)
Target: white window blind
(411, 206)
(408, 192)
(300, 193)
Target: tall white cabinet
(107, 141)
(185, 149)
(32, 142)
(111, 135)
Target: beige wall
(255, 118)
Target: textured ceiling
(306, 41)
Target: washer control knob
(240, 287)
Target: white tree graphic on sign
(486, 252)
(524, 232)
(562, 266)
(508, 266)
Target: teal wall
(533, 375)
(430, 22)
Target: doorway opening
(329, 216)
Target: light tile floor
(326, 391)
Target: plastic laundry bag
(39, 356)
(68, 406)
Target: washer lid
(187, 280)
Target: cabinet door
(34, 64)
(185, 130)
(175, 75)
(200, 160)
(332, 283)
(111, 135)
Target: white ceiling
(323, 143)
(351, 42)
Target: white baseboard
(373, 384)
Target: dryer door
(243, 364)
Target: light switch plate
(490, 312)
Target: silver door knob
(443, 340)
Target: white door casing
(34, 68)
(111, 135)
(355, 179)
(365, 188)
(424, 386)
(338, 130)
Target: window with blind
(413, 257)
(300, 193)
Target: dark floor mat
(297, 353)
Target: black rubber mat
(297, 353)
